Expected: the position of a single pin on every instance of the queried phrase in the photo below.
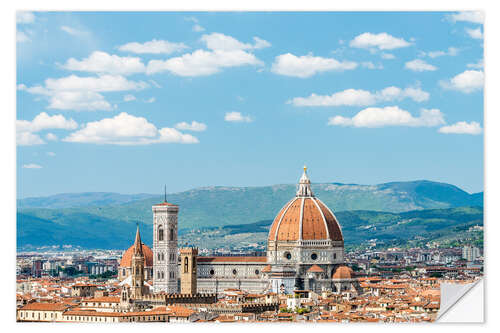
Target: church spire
(138, 242)
(304, 189)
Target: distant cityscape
(303, 274)
(390, 279)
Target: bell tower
(137, 283)
(188, 270)
(165, 270)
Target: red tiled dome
(305, 217)
(127, 256)
(315, 269)
(343, 272)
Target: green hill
(414, 228)
(385, 211)
(218, 206)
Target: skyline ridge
(249, 186)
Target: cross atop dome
(304, 189)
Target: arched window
(162, 256)
(171, 234)
(162, 275)
(186, 264)
(159, 275)
(335, 256)
(159, 257)
(137, 270)
(160, 234)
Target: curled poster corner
(462, 303)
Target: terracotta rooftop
(315, 269)
(45, 306)
(81, 312)
(166, 204)
(343, 272)
(317, 221)
(127, 256)
(179, 311)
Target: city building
(470, 253)
(305, 251)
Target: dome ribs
(333, 225)
(313, 226)
(306, 218)
(289, 227)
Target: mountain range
(108, 219)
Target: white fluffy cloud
(472, 17)
(462, 127)
(28, 139)
(452, 51)
(237, 117)
(51, 137)
(418, 65)
(129, 98)
(387, 56)
(25, 129)
(104, 63)
(23, 17)
(223, 52)
(202, 63)
(82, 93)
(31, 166)
(51, 154)
(125, 129)
(381, 41)
(154, 47)
(79, 101)
(371, 65)
(194, 126)
(308, 65)
(389, 116)
(74, 31)
(102, 83)
(474, 33)
(467, 82)
(477, 65)
(359, 97)
(198, 28)
(218, 41)
(43, 121)
(22, 37)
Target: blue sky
(127, 102)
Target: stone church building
(305, 250)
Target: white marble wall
(165, 256)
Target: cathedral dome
(127, 256)
(305, 217)
(343, 272)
